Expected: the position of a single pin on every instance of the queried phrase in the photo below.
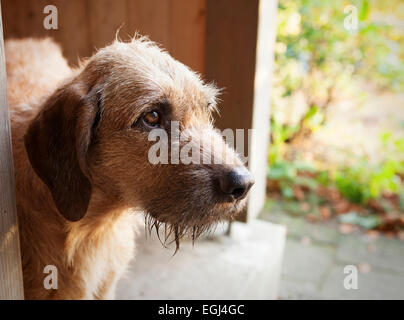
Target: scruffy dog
(80, 143)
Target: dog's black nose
(236, 183)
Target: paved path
(316, 254)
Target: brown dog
(82, 170)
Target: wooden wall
(179, 26)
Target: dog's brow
(163, 104)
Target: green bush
(315, 55)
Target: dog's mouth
(172, 233)
(173, 228)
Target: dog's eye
(152, 118)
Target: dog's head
(101, 130)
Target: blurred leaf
(281, 170)
(385, 137)
(323, 178)
(306, 182)
(311, 113)
(287, 191)
(401, 203)
(364, 12)
(367, 222)
(293, 207)
(304, 166)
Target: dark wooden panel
(11, 286)
(178, 25)
(24, 18)
(188, 30)
(230, 57)
(105, 18)
(231, 37)
(151, 18)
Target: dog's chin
(172, 227)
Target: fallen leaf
(325, 212)
(401, 219)
(311, 217)
(306, 241)
(346, 228)
(305, 206)
(372, 234)
(375, 205)
(298, 193)
(364, 267)
(341, 206)
(371, 248)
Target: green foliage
(314, 51)
(280, 134)
(315, 56)
(358, 183)
(401, 201)
(367, 222)
(352, 184)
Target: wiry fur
(81, 167)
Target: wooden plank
(24, 19)
(73, 33)
(188, 32)
(230, 62)
(11, 285)
(179, 26)
(106, 17)
(262, 101)
(150, 18)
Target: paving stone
(313, 268)
(298, 290)
(306, 262)
(297, 227)
(386, 254)
(372, 285)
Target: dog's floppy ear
(57, 142)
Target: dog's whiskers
(177, 231)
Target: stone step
(245, 265)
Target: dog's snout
(236, 183)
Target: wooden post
(11, 286)
(239, 54)
(258, 162)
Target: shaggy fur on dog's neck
(83, 252)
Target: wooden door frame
(11, 285)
